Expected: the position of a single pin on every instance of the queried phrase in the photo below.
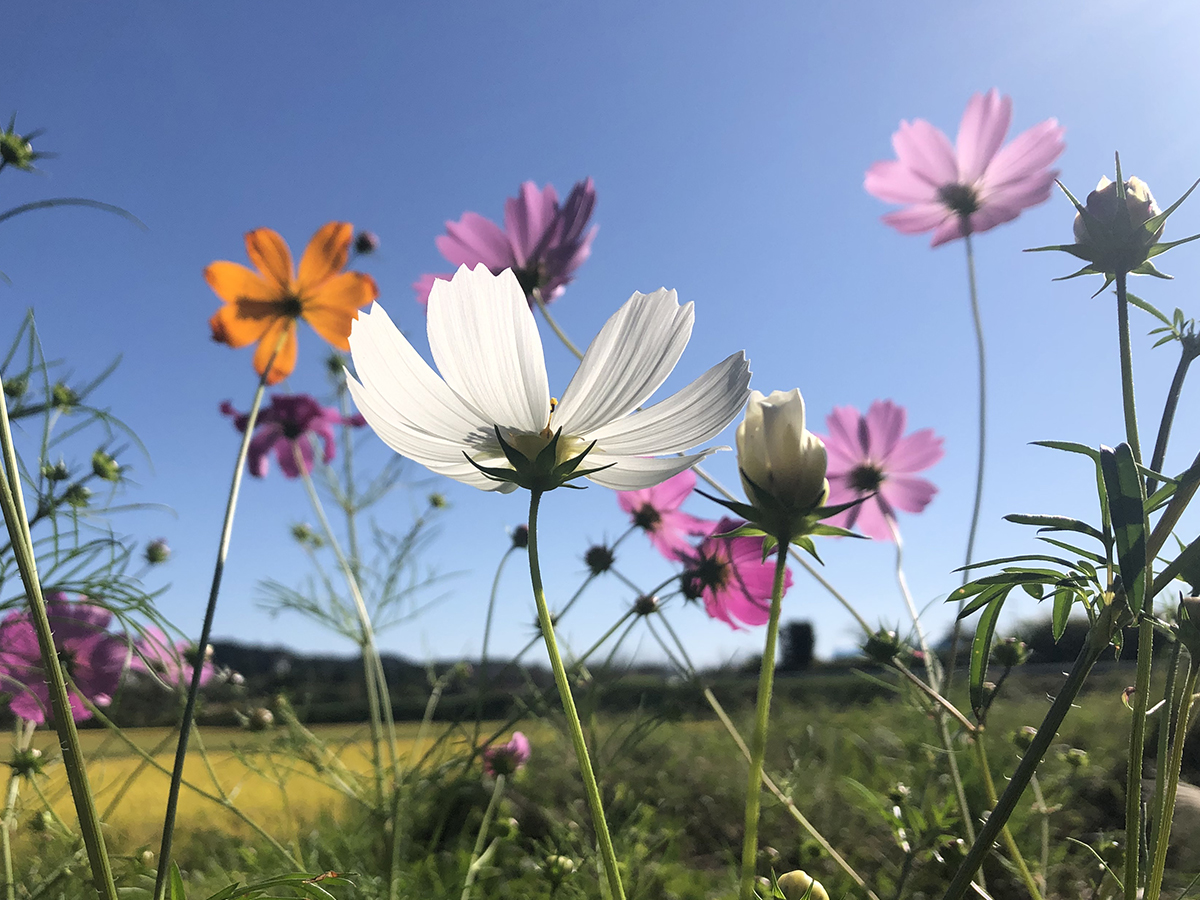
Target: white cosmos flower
(493, 377)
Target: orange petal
(270, 254)
(334, 307)
(325, 255)
(230, 325)
(232, 282)
(285, 358)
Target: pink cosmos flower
(168, 662)
(507, 758)
(656, 511)
(871, 453)
(729, 573)
(92, 658)
(291, 421)
(975, 180)
(542, 242)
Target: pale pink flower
(974, 180)
(170, 662)
(871, 455)
(507, 758)
(656, 511)
(730, 575)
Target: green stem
(1010, 844)
(189, 710)
(1172, 699)
(377, 692)
(488, 815)
(977, 318)
(1158, 460)
(1004, 807)
(12, 503)
(1041, 808)
(483, 652)
(758, 741)
(595, 803)
(23, 733)
(1163, 827)
(558, 332)
(1126, 351)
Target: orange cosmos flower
(263, 306)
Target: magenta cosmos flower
(655, 510)
(291, 421)
(91, 657)
(731, 577)
(171, 663)
(871, 455)
(975, 180)
(542, 242)
(507, 758)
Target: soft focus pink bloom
(656, 511)
(507, 758)
(291, 421)
(871, 452)
(91, 657)
(167, 661)
(542, 242)
(976, 178)
(729, 573)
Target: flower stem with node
(758, 744)
(189, 710)
(12, 503)
(478, 857)
(591, 789)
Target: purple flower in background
(542, 242)
(170, 663)
(507, 758)
(871, 453)
(656, 511)
(91, 657)
(974, 180)
(291, 422)
(729, 573)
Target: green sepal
(836, 531)
(1147, 268)
(742, 531)
(804, 542)
(493, 473)
(1156, 222)
(1075, 250)
(742, 510)
(1164, 246)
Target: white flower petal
(487, 348)
(631, 356)
(689, 417)
(634, 473)
(401, 381)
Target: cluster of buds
(558, 868)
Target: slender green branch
(1010, 844)
(1169, 709)
(592, 790)
(758, 742)
(487, 635)
(558, 332)
(1189, 348)
(16, 520)
(477, 853)
(1043, 810)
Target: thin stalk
(1171, 703)
(758, 743)
(12, 503)
(977, 318)
(1004, 807)
(1010, 844)
(23, 734)
(592, 790)
(937, 698)
(1141, 698)
(1041, 808)
(1159, 863)
(1189, 349)
(210, 611)
(487, 634)
(785, 800)
(348, 498)
(477, 852)
(558, 332)
(377, 692)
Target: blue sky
(728, 145)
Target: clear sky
(728, 144)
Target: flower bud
(157, 552)
(599, 559)
(16, 387)
(1076, 758)
(63, 397)
(366, 243)
(883, 646)
(56, 472)
(77, 495)
(798, 885)
(16, 149)
(778, 456)
(26, 763)
(105, 467)
(260, 719)
(1023, 738)
(520, 537)
(437, 501)
(645, 605)
(507, 758)
(1010, 653)
(558, 868)
(1115, 240)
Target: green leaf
(1086, 554)
(1186, 566)
(1057, 523)
(1144, 305)
(175, 889)
(1032, 557)
(981, 649)
(984, 598)
(1071, 447)
(1063, 601)
(1034, 590)
(1126, 505)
